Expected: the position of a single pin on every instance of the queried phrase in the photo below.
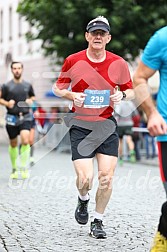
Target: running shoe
(160, 243)
(96, 229)
(14, 174)
(132, 157)
(32, 162)
(81, 212)
(25, 174)
(121, 162)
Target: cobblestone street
(37, 214)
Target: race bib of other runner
(11, 119)
(97, 98)
(16, 120)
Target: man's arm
(30, 100)
(8, 104)
(77, 98)
(130, 95)
(156, 124)
(64, 93)
(142, 92)
(118, 95)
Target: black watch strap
(124, 95)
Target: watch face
(124, 95)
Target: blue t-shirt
(155, 57)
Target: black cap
(99, 23)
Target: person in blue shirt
(154, 59)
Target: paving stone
(37, 215)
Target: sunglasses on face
(101, 33)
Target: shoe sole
(81, 223)
(25, 175)
(14, 176)
(101, 236)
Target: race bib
(16, 120)
(97, 98)
(11, 119)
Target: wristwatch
(124, 95)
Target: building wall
(13, 45)
(40, 71)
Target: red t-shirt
(80, 74)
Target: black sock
(32, 151)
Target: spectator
(41, 118)
(136, 134)
(148, 140)
(32, 132)
(123, 114)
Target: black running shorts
(125, 131)
(14, 131)
(94, 137)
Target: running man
(90, 79)
(17, 95)
(154, 59)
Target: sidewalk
(144, 161)
(3, 135)
(151, 161)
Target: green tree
(61, 24)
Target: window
(20, 49)
(1, 26)
(10, 23)
(20, 26)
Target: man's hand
(117, 96)
(29, 101)
(79, 99)
(156, 124)
(11, 104)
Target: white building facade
(13, 46)
(40, 71)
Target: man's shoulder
(162, 30)
(77, 55)
(160, 36)
(113, 56)
(26, 83)
(5, 87)
(156, 45)
(162, 33)
(9, 82)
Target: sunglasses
(101, 33)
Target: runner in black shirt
(17, 95)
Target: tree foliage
(61, 24)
